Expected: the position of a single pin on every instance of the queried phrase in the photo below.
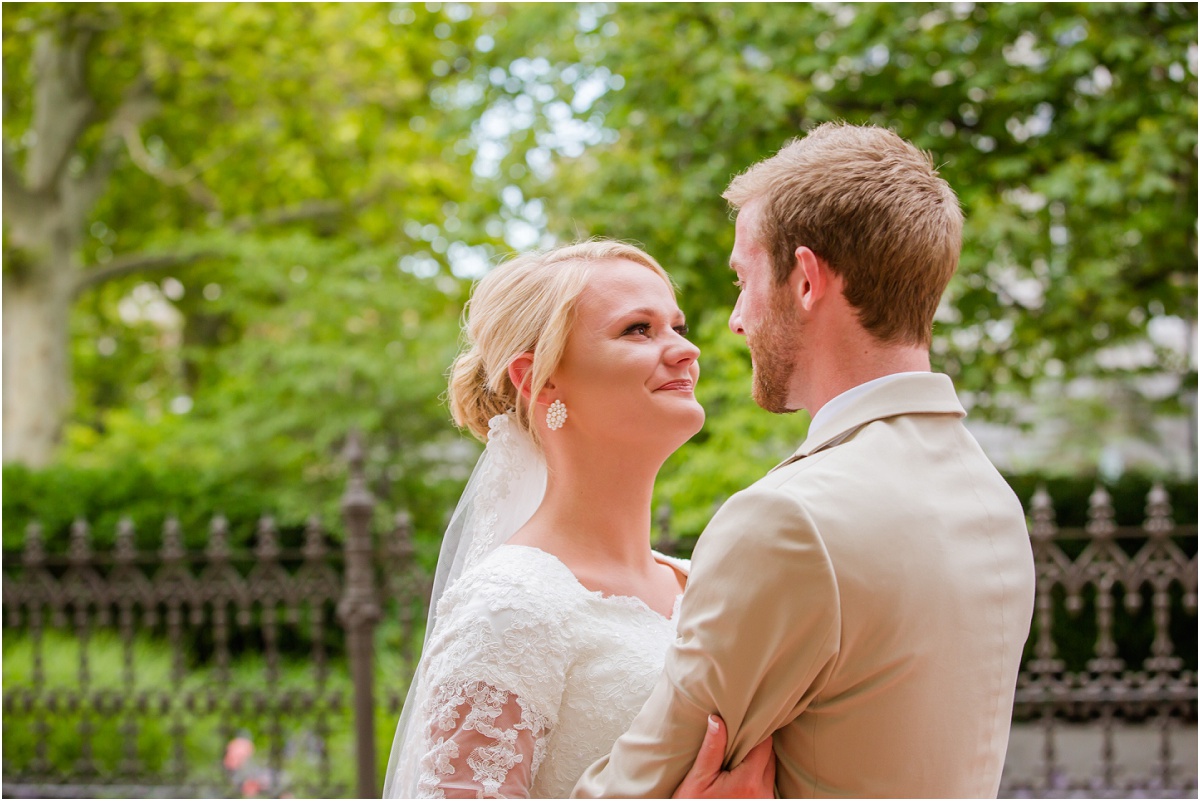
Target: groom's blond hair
(525, 305)
(871, 206)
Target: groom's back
(866, 603)
(934, 588)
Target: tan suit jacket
(866, 602)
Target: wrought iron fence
(306, 655)
(1112, 606)
(207, 656)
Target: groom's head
(858, 205)
(846, 240)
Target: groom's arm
(758, 634)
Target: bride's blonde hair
(524, 305)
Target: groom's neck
(833, 371)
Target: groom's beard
(773, 353)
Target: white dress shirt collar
(847, 398)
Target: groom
(867, 601)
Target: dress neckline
(631, 601)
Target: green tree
(181, 140)
(1051, 120)
(232, 228)
(1068, 130)
(340, 339)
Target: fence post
(358, 610)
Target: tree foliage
(288, 201)
(1068, 130)
(247, 275)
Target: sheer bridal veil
(504, 490)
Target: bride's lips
(682, 385)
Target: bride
(551, 615)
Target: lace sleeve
(496, 672)
(485, 743)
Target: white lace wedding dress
(531, 677)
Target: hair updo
(524, 305)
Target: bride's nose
(682, 351)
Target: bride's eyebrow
(646, 311)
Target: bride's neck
(596, 509)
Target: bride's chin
(670, 430)
(691, 423)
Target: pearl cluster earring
(556, 415)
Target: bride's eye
(683, 330)
(639, 328)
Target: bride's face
(628, 370)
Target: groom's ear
(810, 278)
(520, 372)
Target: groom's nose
(735, 319)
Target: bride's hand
(753, 778)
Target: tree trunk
(46, 208)
(40, 276)
(37, 367)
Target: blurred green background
(232, 233)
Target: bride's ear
(520, 372)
